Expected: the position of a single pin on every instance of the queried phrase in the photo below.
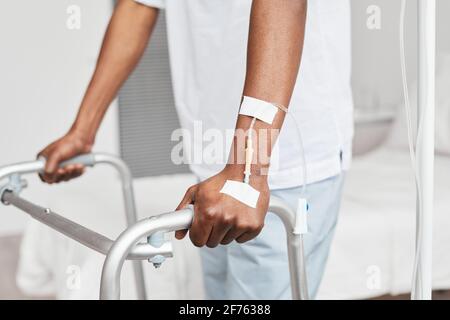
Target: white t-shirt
(207, 47)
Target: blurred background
(45, 64)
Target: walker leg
(296, 255)
(130, 211)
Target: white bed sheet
(373, 250)
(372, 253)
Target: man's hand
(69, 146)
(219, 218)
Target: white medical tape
(258, 109)
(242, 192)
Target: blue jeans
(258, 269)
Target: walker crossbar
(179, 220)
(81, 234)
(9, 195)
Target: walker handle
(87, 160)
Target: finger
(60, 175)
(73, 171)
(200, 230)
(78, 172)
(41, 174)
(217, 234)
(247, 236)
(69, 173)
(79, 168)
(51, 166)
(44, 153)
(188, 198)
(231, 235)
(180, 234)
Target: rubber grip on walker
(87, 160)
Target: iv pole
(425, 145)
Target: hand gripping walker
(128, 245)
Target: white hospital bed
(373, 250)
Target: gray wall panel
(147, 112)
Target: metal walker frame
(128, 245)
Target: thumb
(180, 234)
(52, 163)
(187, 200)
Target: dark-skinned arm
(125, 40)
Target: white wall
(376, 59)
(44, 70)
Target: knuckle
(228, 219)
(70, 168)
(210, 213)
(242, 225)
(249, 226)
(254, 227)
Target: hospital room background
(46, 59)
